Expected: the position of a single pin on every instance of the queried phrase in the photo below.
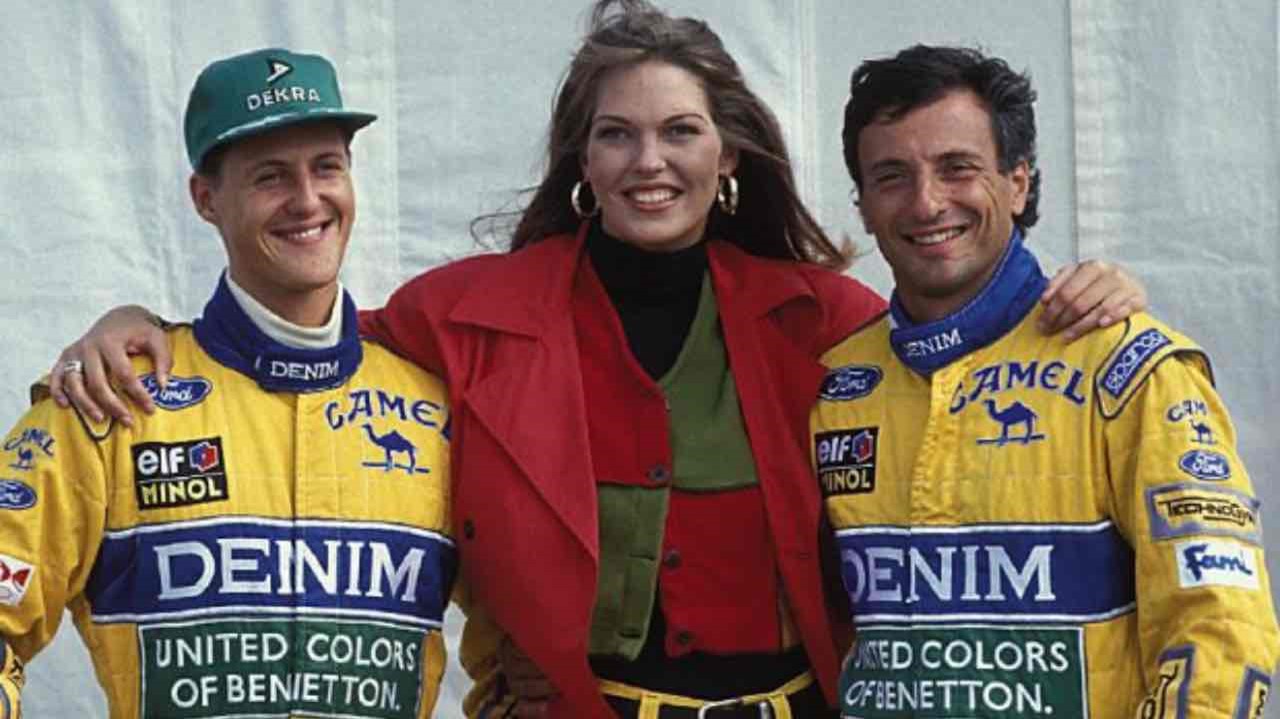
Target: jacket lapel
(763, 302)
(535, 373)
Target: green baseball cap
(260, 91)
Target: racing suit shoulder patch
(1140, 348)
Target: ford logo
(16, 495)
(1206, 465)
(179, 393)
(850, 382)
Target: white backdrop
(1159, 144)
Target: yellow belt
(651, 701)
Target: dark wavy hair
(922, 74)
(771, 221)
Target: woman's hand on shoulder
(94, 371)
(1087, 296)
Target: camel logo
(851, 382)
(1187, 409)
(26, 459)
(1016, 415)
(25, 445)
(393, 445)
(15, 577)
(1192, 410)
(1203, 435)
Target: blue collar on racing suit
(1009, 295)
(230, 337)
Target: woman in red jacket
(630, 387)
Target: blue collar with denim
(231, 338)
(1008, 296)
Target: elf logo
(157, 459)
(179, 473)
(846, 460)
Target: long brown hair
(771, 221)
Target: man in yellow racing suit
(1026, 527)
(274, 540)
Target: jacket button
(468, 529)
(684, 637)
(659, 474)
(672, 559)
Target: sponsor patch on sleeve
(16, 495)
(1187, 409)
(1186, 509)
(1130, 359)
(1205, 464)
(1168, 697)
(850, 382)
(1219, 562)
(15, 577)
(846, 460)
(1253, 694)
(26, 445)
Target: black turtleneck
(654, 293)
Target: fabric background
(1158, 141)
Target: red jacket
(499, 329)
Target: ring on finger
(74, 365)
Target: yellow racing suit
(244, 551)
(1029, 528)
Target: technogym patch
(965, 671)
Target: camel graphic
(393, 443)
(1204, 435)
(25, 457)
(1012, 416)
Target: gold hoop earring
(727, 194)
(574, 200)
